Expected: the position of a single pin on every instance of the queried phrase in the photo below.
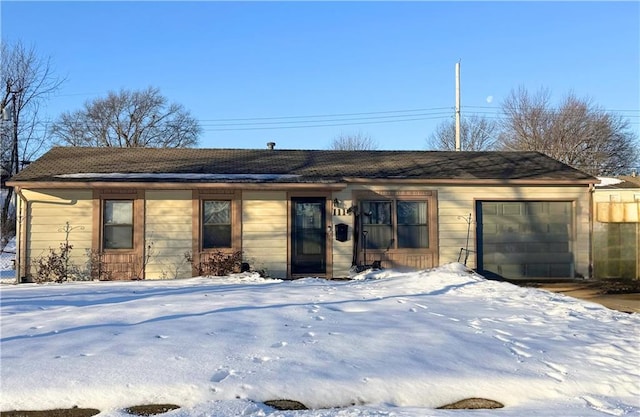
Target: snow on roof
(187, 176)
(605, 181)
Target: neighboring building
(294, 213)
(616, 229)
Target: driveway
(628, 302)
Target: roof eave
(330, 184)
(476, 181)
(172, 185)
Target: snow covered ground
(387, 344)
(7, 273)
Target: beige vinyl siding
(168, 228)
(264, 231)
(342, 251)
(48, 213)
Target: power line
(323, 125)
(329, 115)
(363, 118)
(288, 122)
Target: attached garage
(526, 239)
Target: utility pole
(14, 151)
(11, 115)
(458, 145)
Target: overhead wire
(364, 118)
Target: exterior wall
(455, 204)
(342, 255)
(393, 257)
(48, 212)
(169, 218)
(168, 228)
(264, 231)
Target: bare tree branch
(476, 134)
(27, 81)
(128, 119)
(353, 142)
(578, 132)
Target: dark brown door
(309, 238)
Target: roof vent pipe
(271, 145)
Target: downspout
(592, 189)
(21, 234)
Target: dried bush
(218, 263)
(54, 267)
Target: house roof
(196, 165)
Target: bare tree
(27, 81)
(128, 119)
(476, 134)
(353, 142)
(577, 132)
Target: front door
(308, 237)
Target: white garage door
(525, 240)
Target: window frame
(199, 199)
(205, 224)
(105, 226)
(394, 196)
(100, 196)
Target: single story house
(616, 228)
(295, 213)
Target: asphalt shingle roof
(281, 165)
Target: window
(377, 228)
(216, 224)
(413, 230)
(400, 224)
(118, 224)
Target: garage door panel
(531, 239)
(546, 238)
(511, 209)
(529, 271)
(526, 257)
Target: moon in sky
(489, 99)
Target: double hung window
(216, 224)
(118, 224)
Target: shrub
(54, 267)
(218, 263)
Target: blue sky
(384, 69)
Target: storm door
(308, 237)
